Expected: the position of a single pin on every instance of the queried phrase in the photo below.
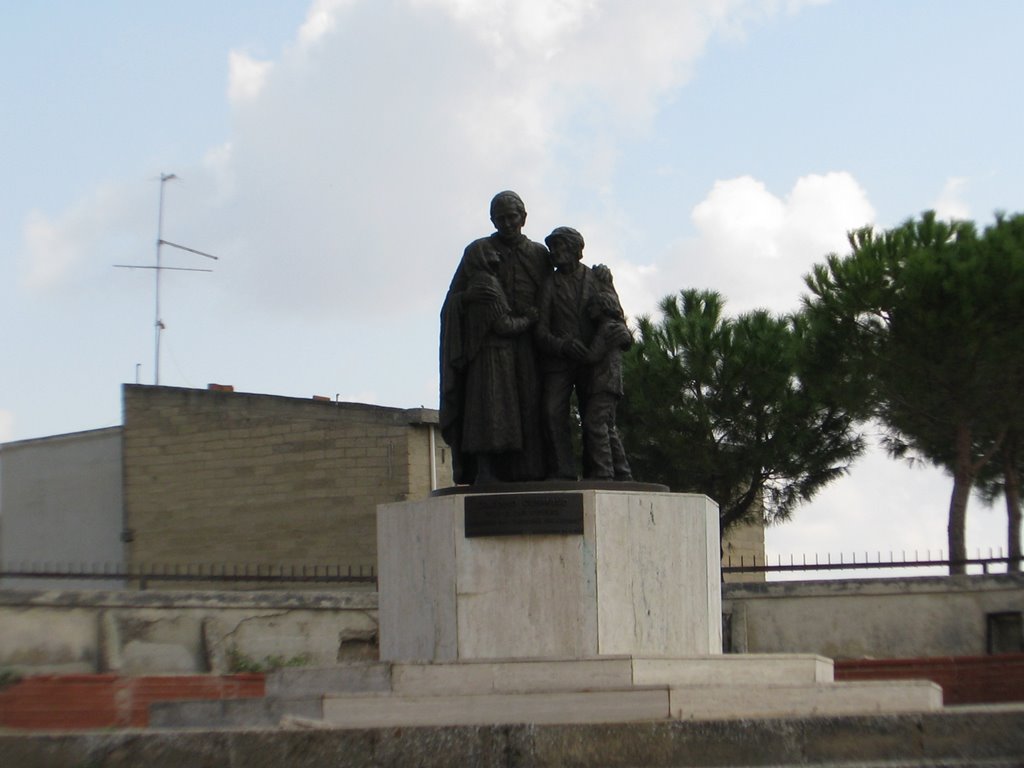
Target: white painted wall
(61, 502)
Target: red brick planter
(76, 702)
(964, 679)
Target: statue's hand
(577, 350)
(621, 337)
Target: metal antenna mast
(160, 242)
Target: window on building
(727, 632)
(1005, 632)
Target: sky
(337, 155)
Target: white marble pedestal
(642, 580)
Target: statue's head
(604, 303)
(482, 259)
(508, 214)
(566, 246)
(507, 200)
(603, 275)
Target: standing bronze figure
(521, 268)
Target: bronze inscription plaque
(524, 514)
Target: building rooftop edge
(417, 415)
(60, 436)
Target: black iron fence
(141, 575)
(995, 561)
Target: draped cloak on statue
(523, 269)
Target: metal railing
(850, 562)
(141, 575)
(217, 573)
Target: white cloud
(889, 511)
(895, 504)
(741, 219)
(320, 20)
(347, 163)
(363, 157)
(950, 203)
(246, 76)
(754, 247)
(51, 253)
(98, 227)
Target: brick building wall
(225, 477)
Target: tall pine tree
(729, 407)
(930, 317)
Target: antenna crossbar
(173, 269)
(186, 248)
(159, 267)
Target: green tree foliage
(1002, 476)
(731, 408)
(929, 317)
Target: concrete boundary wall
(870, 618)
(134, 633)
(169, 631)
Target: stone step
(605, 706)
(354, 677)
(697, 702)
(848, 698)
(233, 713)
(557, 691)
(537, 675)
(290, 692)
(730, 669)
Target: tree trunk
(963, 479)
(955, 530)
(1011, 490)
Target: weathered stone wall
(134, 633)
(82, 631)
(225, 477)
(870, 618)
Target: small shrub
(240, 662)
(9, 677)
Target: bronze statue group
(523, 327)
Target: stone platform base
(555, 691)
(625, 689)
(639, 576)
